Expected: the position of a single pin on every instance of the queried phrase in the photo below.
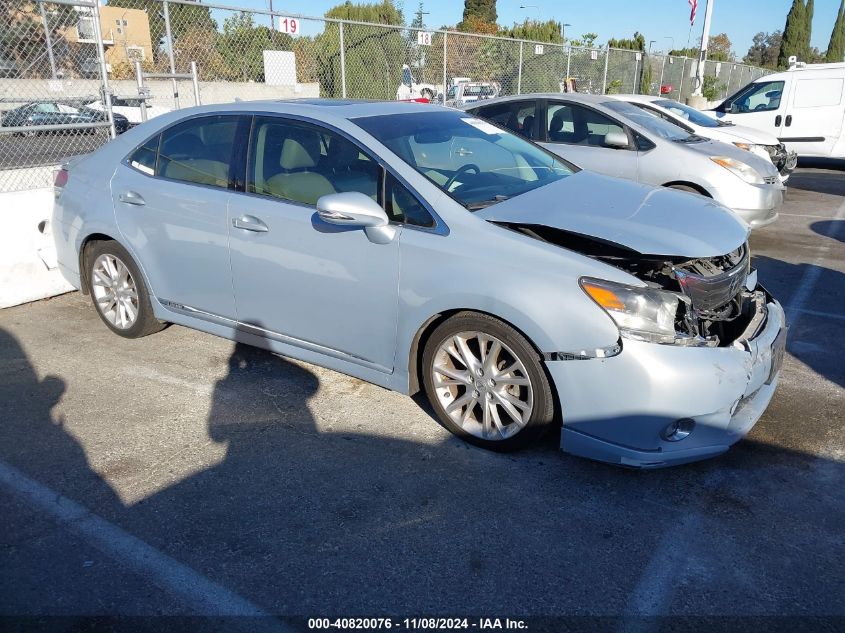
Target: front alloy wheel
(482, 385)
(486, 383)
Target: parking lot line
(813, 272)
(198, 593)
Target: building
(126, 36)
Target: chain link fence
(73, 73)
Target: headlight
(738, 168)
(746, 146)
(645, 314)
(642, 314)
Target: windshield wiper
(692, 138)
(476, 206)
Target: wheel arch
(692, 185)
(422, 335)
(83, 264)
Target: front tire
(486, 382)
(118, 291)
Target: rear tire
(486, 382)
(118, 291)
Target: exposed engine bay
(717, 306)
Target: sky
(664, 21)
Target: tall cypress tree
(794, 38)
(836, 48)
(482, 10)
(808, 30)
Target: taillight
(60, 181)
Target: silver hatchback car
(418, 247)
(616, 138)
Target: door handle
(133, 198)
(778, 120)
(788, 120)
(250, 223)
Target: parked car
(57, 113)
(616, 138)
(417, 247)
(697, 122)
(130, 107)
(804, 107)
(470, 92)
(410, 89)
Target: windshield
(474, 161)
(756, 97)
(690, 114)
(650, 122)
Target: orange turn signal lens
(604, 297)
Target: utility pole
(272, 17)
(702, 54)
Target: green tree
(810, 54)
(719, 48)
(534, 31)
(637, 43)
(764, 50)
(587, 40)
(242, 45)
(795, 34)
(374, 55)
(480, 10)
(836, 48)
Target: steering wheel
(461, 170)
(761, 106)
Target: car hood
(649, 220)
(749, 134)
(721, 148)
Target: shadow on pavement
(822, 175)
(834, 229)
(818, 337)
(310, 523)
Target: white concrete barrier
(27, 256)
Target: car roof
(637, 98)
(323, 109)
(576, 97)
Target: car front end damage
(698, 358)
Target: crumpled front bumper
(616, 409)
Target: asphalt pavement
(184, 475)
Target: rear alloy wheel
(486, 383)
(118, 292)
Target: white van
(804, 107)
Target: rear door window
(576, 125)
(517, 116)
(199, 151)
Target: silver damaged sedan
(419, 247)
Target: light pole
(649, 45)
(563, 32)
(533, 6)
(667, 37)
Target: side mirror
(616, 140)
(354, 209)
